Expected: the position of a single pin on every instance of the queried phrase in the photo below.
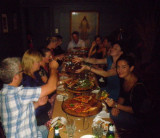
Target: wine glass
(70, 127)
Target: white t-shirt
(72, 44)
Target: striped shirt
(17, 111)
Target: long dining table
(83, 124)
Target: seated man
(75, 42)
(17, 108)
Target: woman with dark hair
(94, 51)
(44, 68)
(52, 43)
(58, 50)
(133, 105)
(107, 46)
(113, 82)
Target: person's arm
(111, 103)
(40, 102)
(70, 46)
(83, 44)
(59, 57)
(52, 81)
(90, 60)
(124, 108)
(91, 51)
(101, 72)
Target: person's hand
(83, 67)
(42, 101)
(59, 57)
(64, 81)
(77, 59)
(110, 102)
(52, 99)
(53, 64)
(115, 111)
(94, 43)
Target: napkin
(60, 88)
(95, 91)
(61, 120)
(103, 114)
(62, 97)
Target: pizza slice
(83, 99)
(104, 95)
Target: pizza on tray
(82, 106)
(80, 84)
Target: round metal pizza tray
(80, 91)
(82, 114)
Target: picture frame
(86, 23)
(4, 23)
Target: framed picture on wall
(86, 23)
(4, 23)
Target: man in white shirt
(75, 42)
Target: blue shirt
(17, 111)
(113, 82)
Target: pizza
(82, 106)
(80, 84)
(104, 95)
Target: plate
(88, 136)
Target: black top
(58, 50)
(138, 99)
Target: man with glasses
(17, 108)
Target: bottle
(56, 132)
(110, 133)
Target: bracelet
(116, 105)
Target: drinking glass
(97, 131)
(70, 127)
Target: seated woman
(44, 72)
(113, 82)
(58, 50)
(31, 78)
(133, 105)
(44, 68)
(107, 46)
(96, 48)
(52, 43)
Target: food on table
(104, 95)
(82, 106)
(58, 122)
(80, 84)
(101, 122)
(72, 67)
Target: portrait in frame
(86, 23)
(4, 23)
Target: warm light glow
(74, 13)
